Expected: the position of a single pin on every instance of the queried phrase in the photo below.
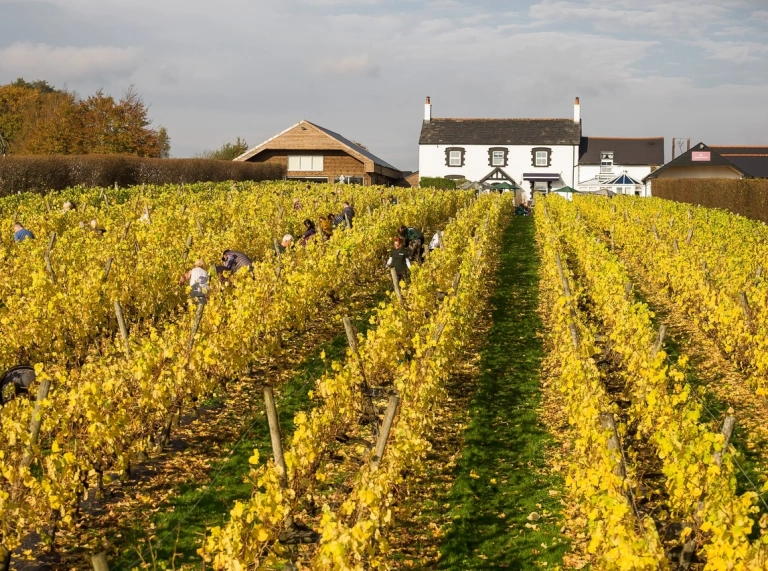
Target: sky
(213, 71)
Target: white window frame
(542, 158)
(606, 167)
(305, 163)
(454, 158)
(498, 159)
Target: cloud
(732, 51)
(63, 64)
(348, 66)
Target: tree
(36, 118)
(227, 151)
(164, 142)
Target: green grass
(505, 441)
(194, 507)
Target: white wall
(563, 158)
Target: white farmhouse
(619, 165)
(534, 154)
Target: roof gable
(500, 132)
(686, 160)
(335, 141)
(643, 151)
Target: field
(555, 391)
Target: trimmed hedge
(437, 182)
(57, 172)
(747, 196)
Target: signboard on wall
(703, 156)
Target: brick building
(312, 153)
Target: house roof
(752, 160)
(644, 151)
(354, 148)
(686, 160)
(500, 132)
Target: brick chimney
(576, 111)
(427, 110)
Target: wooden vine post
(352, 342)
(659, 341)
(195, 327)
(277, 443)
(187, 247)
(122, 325)
(276, 436)
(386, 427)
(107, 268)
(35, 422)
(396, 285)
(99, 561)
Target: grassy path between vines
(502, 476)
(489, 469)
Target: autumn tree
(36, 118)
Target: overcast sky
(212, 71)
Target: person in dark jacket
(233, 261)
(20, 233)
(348, 213)
(398, 259)
(309, 233)
(414, 242)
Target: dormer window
(606, 162)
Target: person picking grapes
(20, 233)
(414, 242)
(233, 261)
(398, 259)
(198, 282)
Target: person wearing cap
(285, 243)
(197, 278)
(20, 233)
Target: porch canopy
(541, 176)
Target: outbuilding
(311, 153)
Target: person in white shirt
(198, 282)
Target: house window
(305, 163)
(606, 163)
(541, 157)
(454, 157)
(497, 156)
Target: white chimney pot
(576, 111)
(428, 110)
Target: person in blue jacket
(20, 233)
